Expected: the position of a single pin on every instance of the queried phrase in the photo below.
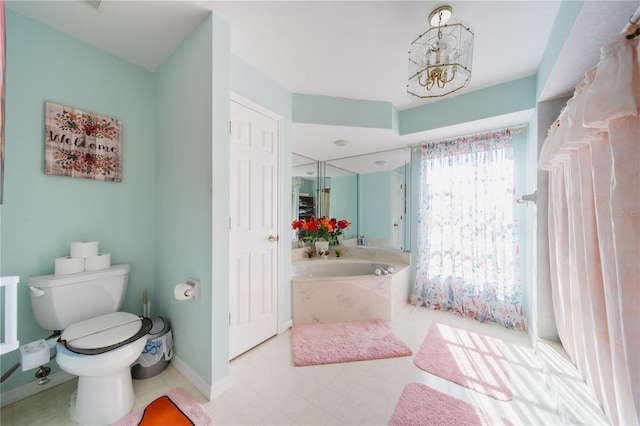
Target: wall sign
(82, 144)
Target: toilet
(98, 343)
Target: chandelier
(440, 58)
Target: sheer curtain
(592, 154)
(467, 256)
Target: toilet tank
(58, 301)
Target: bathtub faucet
(382, 269)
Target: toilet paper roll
(97, 263)
(180, 291)
(68, 265)
(84, 248)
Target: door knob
(274, 238)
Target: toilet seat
(104, 333)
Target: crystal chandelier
(440, 58)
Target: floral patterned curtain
(467, 255)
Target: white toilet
(98, 344)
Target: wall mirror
(371, 191)
(304, 188)
(320, 189)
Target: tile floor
(269, 390)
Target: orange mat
(163, 411)
(176, 408)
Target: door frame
(248, 103)
(397, 232)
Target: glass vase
(322, 248)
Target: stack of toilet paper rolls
(84, 256)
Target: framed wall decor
(82, 144)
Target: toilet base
(101, 400)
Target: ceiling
(352, 49)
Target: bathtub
(346, 289)
(338, 267)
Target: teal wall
(316, 109)
(374, 196)
(42, 214)
(514, 96)
(184, 158)
(309, 187)
(160, 218)
(344, 202)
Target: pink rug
(421, 405)
(470, 359)
(185, 402)
(313, 344)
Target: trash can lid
(159, 328)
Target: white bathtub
(333, 267)
(346, 289)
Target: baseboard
(220, 387)
(549, 384)
(32, 388)
(209, 391)
(285, 326)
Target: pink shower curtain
(592, 154)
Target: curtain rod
(633, 30)
(517, 130)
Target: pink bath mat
(422, 405)
(474, 360)
(313, 344)
(160, 413)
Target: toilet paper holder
(190, 289)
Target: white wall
(543, 322)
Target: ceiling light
(311, 173)
(341, 142)
(440, 16)
(380, 162)
(440, 57)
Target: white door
(398, 213)
(253, 226)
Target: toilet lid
(104, 333)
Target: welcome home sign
(82, 144)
